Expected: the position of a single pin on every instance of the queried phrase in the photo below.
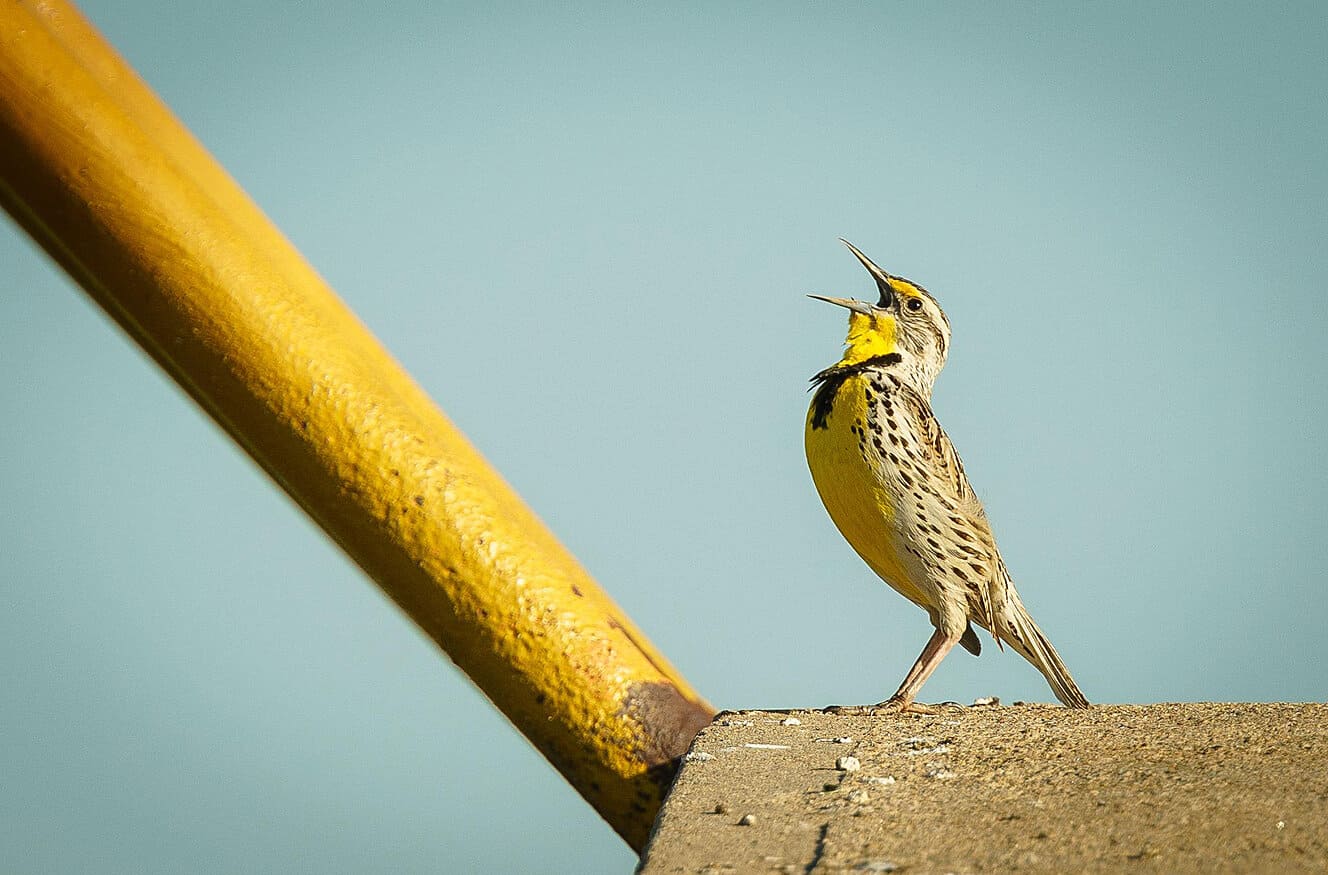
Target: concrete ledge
(1032, 788)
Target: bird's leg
(938, 645)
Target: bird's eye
(914, 304)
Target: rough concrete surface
(1029, 788)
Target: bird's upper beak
(856, 306)
(879, 275)
(882, 278)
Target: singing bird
(895, 488)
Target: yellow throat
(869, 335)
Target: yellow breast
(854, 489)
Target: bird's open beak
(856, 306)
(882, 278)
(879, 275)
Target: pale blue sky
(588, 234)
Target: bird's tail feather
(1021, 633)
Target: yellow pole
(101, 174)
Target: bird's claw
(892, 706)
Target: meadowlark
(894, 486)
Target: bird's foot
(951, 707)
(893, 706)
(851, 710)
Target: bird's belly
(859, 496)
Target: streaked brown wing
(970, 552)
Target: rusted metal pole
(102, 175)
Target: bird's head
(906, 320)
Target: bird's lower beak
(856, 306)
